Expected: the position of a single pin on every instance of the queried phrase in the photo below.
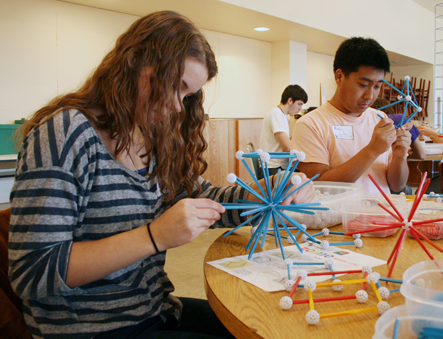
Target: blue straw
(391, 280)
(290, 234)
(396, 328)
(293, 222)
(241, 225)
(341, 243)
(254, 177)
(299, 187)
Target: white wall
(50, 47)
(319, 69)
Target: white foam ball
(293, 152)
(304, 226)
(420, 282)
(372, 277)
(265, 157)
(312, 317)
(362, 296)
(290, 240)
(303, 274)
(366, 269)
(419, 109)
(376, 275)
(239, 155)
(358, 242)
(408, 98)
(286, 303)
(325, 231)
(304, 237)
(384, 293)
(289, 284)
(296, 180)
(407, 78)
(253, 229)
(399, 97)
(231, 178)
(324, 245)
(301, 156)
(289, 261)
(382, 307)
(337, 288)
(310, 284)
(260, 151)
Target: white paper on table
(268, 271)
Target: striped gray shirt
(70, 188)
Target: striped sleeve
(50, 181)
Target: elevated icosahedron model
(407, 96)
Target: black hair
(357, 51)
(295, 92)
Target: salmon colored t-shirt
(329, 136)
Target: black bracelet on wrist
(152, 239)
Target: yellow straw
(311, 300)
(374, 287)
(346, 282)
(337, 314)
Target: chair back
(12, 324)
(255, 163)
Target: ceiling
(240, 21)
(428, 4)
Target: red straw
(415, 223)
(385, 196)
(402, 237)
(412, 231)
(306, 301)
(426, 238)
(419, 195)
(395, 248)
(373, 229)
(364, 284)
(295, 286)
(333, 272)
(389, 212)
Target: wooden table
(249, 312)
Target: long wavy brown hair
(162, 41)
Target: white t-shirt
(274, 121)
(329, 136)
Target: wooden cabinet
(225, 137)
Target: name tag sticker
(343, 132)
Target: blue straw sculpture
(407, 96)
(269, 207)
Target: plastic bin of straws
(411, 324)
(332, 195)
(429, 210)
(360, 214)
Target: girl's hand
(184, 221)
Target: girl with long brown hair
(107, 180)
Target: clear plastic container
(360, 214)
(332, 195)
(423, 286)
(411, 323)
(428, 210)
